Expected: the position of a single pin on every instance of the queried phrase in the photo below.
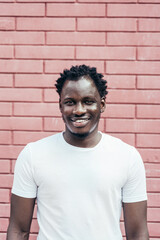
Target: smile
(80, 122)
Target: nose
(79, 109)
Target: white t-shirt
(79, 190)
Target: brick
(4, 210)
(6, 109)
(46, 24)
(13, 165)
(149, 1)
(22, 138)
(7, 23)
(36, 109)
(132, 125)
(154, 229)
(153, 199)
(148, 140)
(76, 38)
(150, 155)
(152, 170)
(33, 38)
(133, 39)
(101, 125)
(53, 124)
(17, 94)
(106, 24)
(6, 0)
(133, 10)
(20, 9)
(4, 195)
(119, 111)
(153, 185)
(6, 80)
(134, 96)
(153, 214)
(149, 53)
(106, 53)
(50, 95)
(9, 152)
(154, 239)
(131, 67)
(127, 138)
(122, 228)
(4, 224)
(75, 10)
(6, 180)
(58, 66)
(5, 137)
(34, 226)
(44, 52)
(108, 1)
(148, 82)
(20, 123)
(35, 80)
(3, 236)
(34, 237)
(4, 166)
(150, 25)
(121, 81)
(148, 111)
(6, 51)
(60, 1)
(21, 66)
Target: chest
(70, 174)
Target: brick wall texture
(39, 38)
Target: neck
(82, 140)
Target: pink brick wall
(39, 38)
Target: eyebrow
(86, 97)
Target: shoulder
(116, 143)
(119, 148)
(39, 151)
(39, 148)
(47, 142)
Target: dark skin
(79, 99)
(21, 217)
(135, 220)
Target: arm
(135, 220)
(21, 217)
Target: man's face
(81, 105)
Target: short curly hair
(76, 72)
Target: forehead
(83, 87)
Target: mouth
(80, 122)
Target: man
(80, 177)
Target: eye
(69, 102)
(89, 102)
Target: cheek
(66, 111)
(95, 109)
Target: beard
(80, 135)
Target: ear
(103, 104)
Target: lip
(80, 122)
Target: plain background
(39, 38)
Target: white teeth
(81, 120)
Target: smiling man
(80, 177)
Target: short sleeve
(23, 183)
(134, 189)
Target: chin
(80, 135)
